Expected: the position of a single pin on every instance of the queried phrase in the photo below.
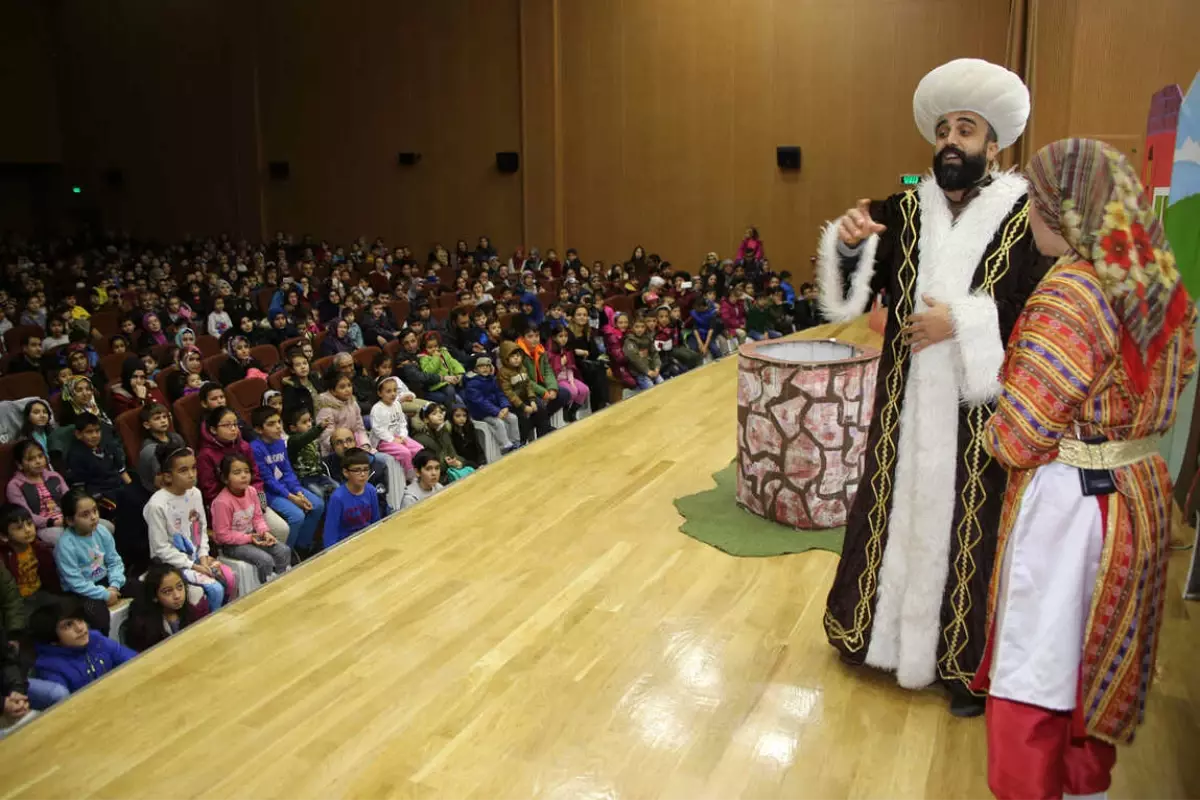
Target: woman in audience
(581, 341)
(80, 397)
(135, 390)
(189, 362)
(337, 338)
(185, 337)
(152, 331)
(240, 364)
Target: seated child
(68, 653)
(429, 470)
(437, 439)
(705, 328)
(342, 440)
(300, 390)
(383, 367)
(733, 314)
(39, 490)
(161, 610)
(305, 453)
(29, 560)
(614, 346)
(299, 507)
(541, 376)
(518, 388)
(487, 403)
(668, 338)
(156, 424)
(38, 424)
(642, 356)
(238, 524)
(389, 425)
(178, 535)
(97, 462)
(436, 360)
(87, 559)
(566, 371)
(759, 323)
(353, 506)
(465, 439)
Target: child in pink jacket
(238, 524)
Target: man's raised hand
(856, 224)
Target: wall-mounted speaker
(787, 157)
(508, 162)
(279, 170)
(408, 159)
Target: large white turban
(972, 84)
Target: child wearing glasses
(353, 506)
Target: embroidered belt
(1106, 455)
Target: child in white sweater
(389, 426)
(178, 534)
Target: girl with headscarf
(1093, 376)
(188, 360)
(337, 339)
(152, 331)
(240, 364)
(185, 337)
(136, 389)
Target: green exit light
(76, 190)
(910, 180)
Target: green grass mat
(715, 518)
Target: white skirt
(1045, 591)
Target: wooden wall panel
(144, 88)
(672, 110)
(440, 79)
(1097, 63)
(30, 134)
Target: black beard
(963, 175)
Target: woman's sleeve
(1047, 374)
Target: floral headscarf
(70, 386)
(1089, 194)
(182, 357)
(232, 345)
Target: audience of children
(495, 363)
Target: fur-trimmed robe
(910, 592)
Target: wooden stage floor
(544, 630)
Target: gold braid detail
(969, 532)
(885, 449)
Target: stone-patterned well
(803, 412)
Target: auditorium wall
(650, 122)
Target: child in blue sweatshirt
(352, 506)
(705, 327)
(68, 653)
(299, 507)
(87, 559)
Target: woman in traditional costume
(1092, 377)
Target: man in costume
(957, 261)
